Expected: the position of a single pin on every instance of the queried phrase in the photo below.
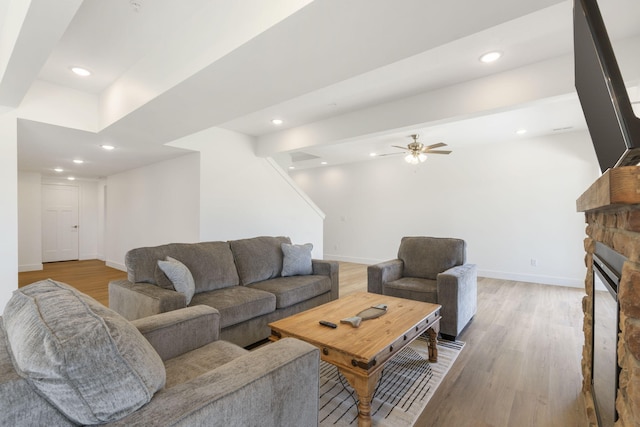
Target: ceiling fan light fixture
(415, 158)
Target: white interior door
(59, 223)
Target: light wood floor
(520, 366)
(91, 276)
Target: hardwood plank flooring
(520, 366)
(91, 276)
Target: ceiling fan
(417, 152)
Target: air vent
(299, 156)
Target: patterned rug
(407, 384)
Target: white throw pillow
(180, 276)
(297, 260)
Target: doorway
(60, 229)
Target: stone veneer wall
(618, 228)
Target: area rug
(407, 384)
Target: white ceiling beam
(214, 32)
(311, 49)
(494, 93)
(30, 31)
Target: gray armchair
(435, 270)
(65, 359)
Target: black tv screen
(613, 126)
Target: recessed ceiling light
(277, 122)
(82, 72)
(323, 163)
(373, 154)
(292, 167)
(71, 178)
(78, 161)
(59, 170)
(107, 147)
(521, 131)
(490, 57)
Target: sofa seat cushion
(237, 304)
(294, 289)
(85, 359)
(197, 362)
(412, 288)
(258, 258)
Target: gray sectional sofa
(242, 279)
(67, 360)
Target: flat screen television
(612, 123)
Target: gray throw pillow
(180, 276)
(88, 361)
(297, 260)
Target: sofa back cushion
(85, 359)
(425, 257)
(259, 258)
(210, 263)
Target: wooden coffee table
(361, 353)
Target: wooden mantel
(617, 186)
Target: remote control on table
(328, 324)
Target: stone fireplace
(612, 213)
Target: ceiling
(166, 69)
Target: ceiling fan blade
(388, 154)
(402, 148)
(436, 145)
(438, 152)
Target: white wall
(512, 202)
(8, 206)
(29, 221)
(247, 196)
(152, 205)
(102, 211)
(88, 219)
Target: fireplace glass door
(605, 338)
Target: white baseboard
(116, 265)
(30, 267)
(83, 257)
(355, 260)
(533, 278)
(516, 277)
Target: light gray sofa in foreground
(242, 279)
(435, 270)
(66, 359)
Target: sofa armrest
(180, 331)
(136, 300)
(458, 295)
(380, 274)
(276, 385)
(330, 269)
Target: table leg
(433, 344)
(364, 386)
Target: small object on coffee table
(328, 324)
(369, 313)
